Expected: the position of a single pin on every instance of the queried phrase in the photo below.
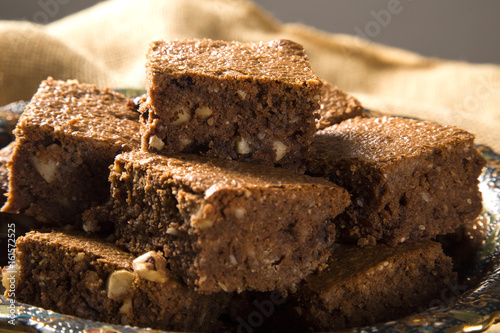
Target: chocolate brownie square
(225, 225)
(88, 278)
(336, 106)
(408, 179)
(250, 102)
(363, 286)
(66, 139)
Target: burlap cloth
(106, 45)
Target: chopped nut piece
(151, 266)
(222, 286)
(203, 218)
(203, 112)
(242, 94)
(119, 284)
(281, 149)
(118, 168)
(156, 142)
(240, 212)
(204, 224)
(10, 276)
(79, 256)
(185, 141)
(124, 310)
(172, 231)
(242, 146)
(182, 115)
(46, 169)
(126, 307)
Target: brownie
(408, 179)
(91, 279)
(66, 139)
(336, 106)
(363, 286)
(5, 155)
(225, 225)
(249, 102)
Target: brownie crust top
(203, 173)
(282, 60)
(81, 110)
(76, 243)
(383, 140)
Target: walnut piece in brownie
(85, 277)
(250, 102)
(408, 179)
(225, 225)
(66, 139)
(336, 106)
(363, 286)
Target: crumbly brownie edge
(191, 229)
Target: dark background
(454, 29)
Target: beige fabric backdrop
(106, 45)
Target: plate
(471, 305)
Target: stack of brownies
(241, 193)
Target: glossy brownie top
(281, 60)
